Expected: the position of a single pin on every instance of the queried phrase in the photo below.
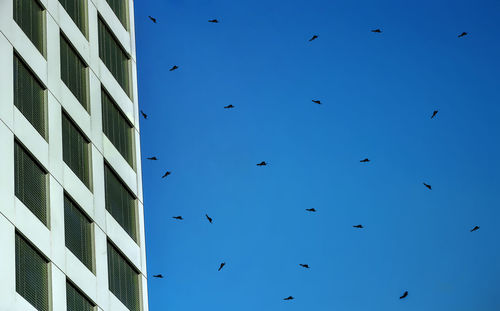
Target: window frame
(134, 269)
(47, 261)
(47, 182)
(43, 48)
(85, 17)
(126, 22)
(135, 228)
(86, 104)
(129, 89)
(92, 268)
(66, 115)
(131, 142)
(17, 57)
(80, 292)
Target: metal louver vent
(31, 183)
(123, 279)
(32, 275)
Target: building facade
(71, 211)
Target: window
(30, 96)
(114, 57)
(78, 233)
(76, 301)
(74, 72)
(32, 275)
(31, 183)
(76, 150)
(30, 16)
(120, 8)
(123, 279)
(117, 128)
(77, 10)
(120, 203)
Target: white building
(71, 212)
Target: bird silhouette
(377, 30)
(158, 276)
(463, 34)
(144, 115)
(213, 21)
(474, 229)
(316, 101)
(152, 19)
(166, 174)
(358, 226)
(365, 160)
(289, 298)
(404, 295)
(173, 68)
(208, 217)
(434, 113)
(313, 38)
(311, 209)
(228, 106)
(152, 158)
(178, 217)
(304, 265)
(221, 266)
(428, 186)
(263, 163)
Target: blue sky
(378, 93)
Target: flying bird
(208, 217)
(311, 209)
(158, 276)
(377, 30)
(228, 107)
(358, 226)
(434, 114)
(152, 158)
(213, 21)
(463, 34)
(152, 19)
(144, 115)
(404, 295)
(173, 68)
(474, 229)
(221, 266)
(316, 102)
(365, 160)
(313, 38)
(428, 186)
(178, 217)
(263, 163)
(166, 174)
(304, 265)
(289, 298)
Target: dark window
(120, 203)
(29, 15)
(76, 301)
(117, 128)
(120, 8)
(74, 72)
(76, 150)
(123, 279)
(32, 275)
(31, 183)
(78, 233)
(77, 10)
(30, 96)
(114, 57)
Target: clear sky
(378, 93)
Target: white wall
(13, 214)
